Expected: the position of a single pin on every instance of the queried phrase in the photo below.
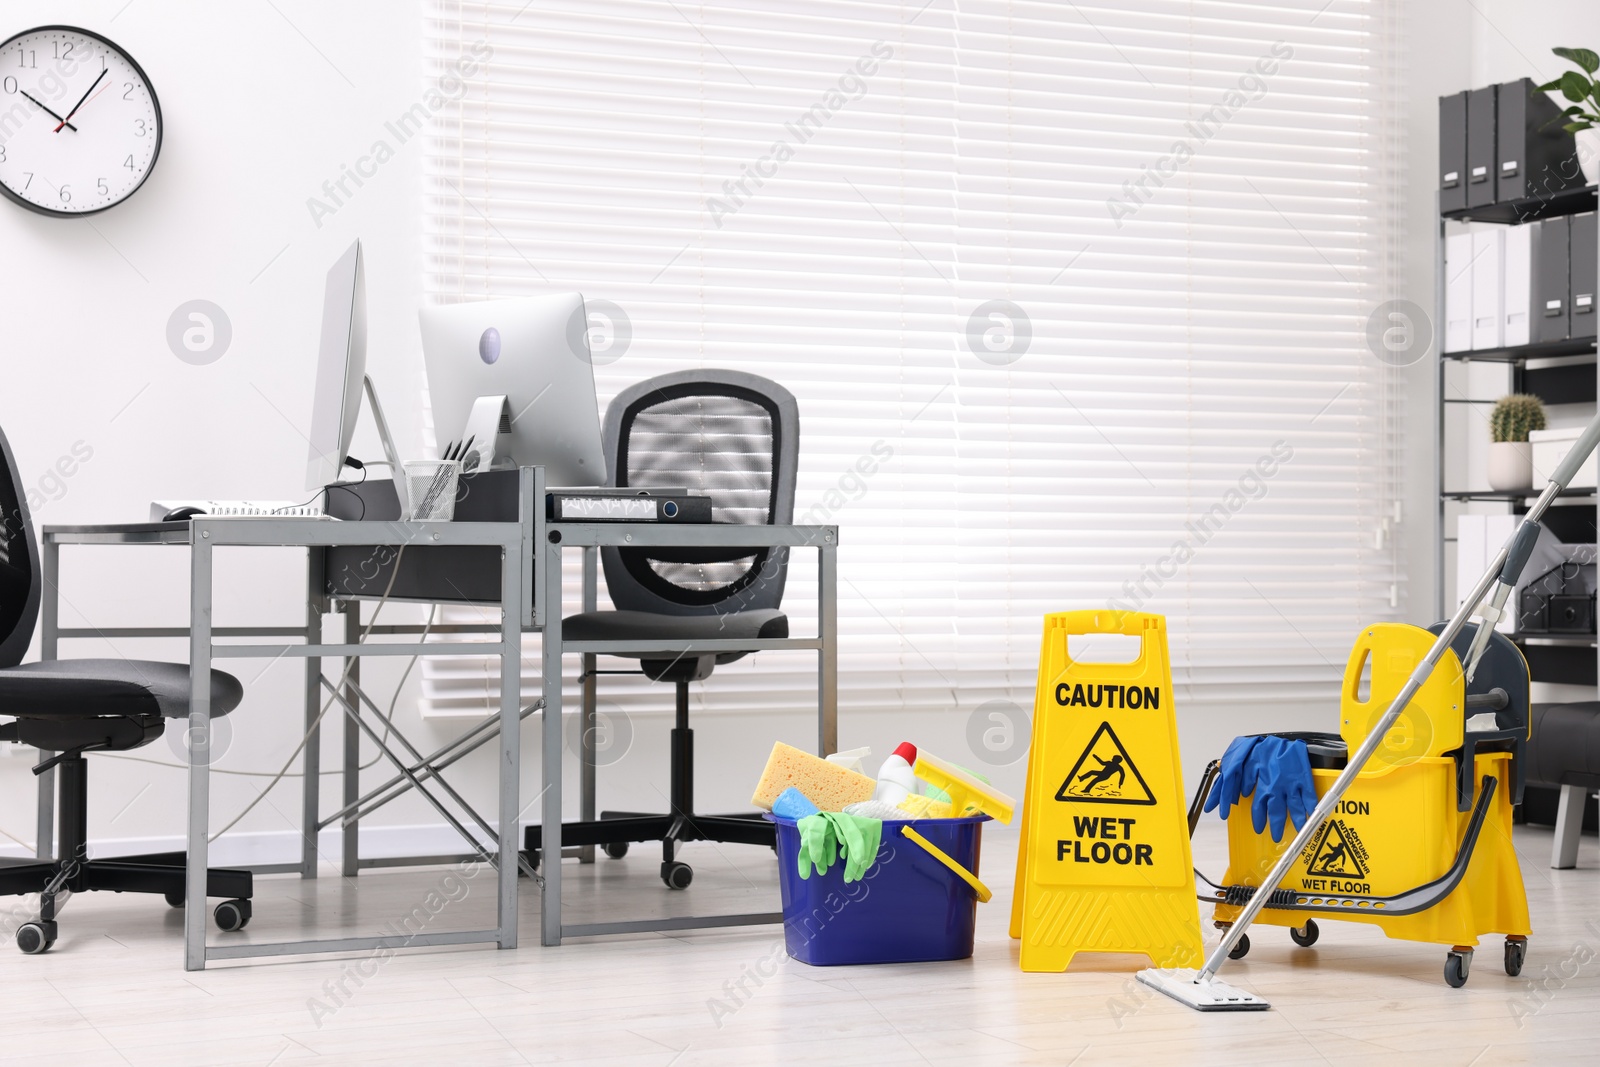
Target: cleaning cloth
(793, 804)
(828, 835)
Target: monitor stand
(489, 420)
(389, 452)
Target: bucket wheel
(1457, 966)
(1516, 952)
(1240, 950)
(1305, 936)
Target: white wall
(262, 103)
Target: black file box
(1551, 283)
(1453, 152)
(1534, 156)
(1480, 146)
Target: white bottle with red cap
(895, 779)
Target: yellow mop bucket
(1420, 846)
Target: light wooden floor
(113, 989)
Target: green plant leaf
(1584, 58)
(1575, 87)
(1548, 87)
(1574, 127)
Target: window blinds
(1074, 299)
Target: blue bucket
(907, 908)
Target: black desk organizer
(443, 574)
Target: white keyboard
(239, 509)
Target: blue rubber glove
(1283, 787)
(1233, 782)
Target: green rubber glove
(859, 837)
(819, 845)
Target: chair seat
(94, 688)
(1565, 747)
(647, 626)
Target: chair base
(160, 872)
(614, 831)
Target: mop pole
(1507, 565)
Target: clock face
(80, 127)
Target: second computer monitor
(535, 352)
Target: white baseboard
(283, 846)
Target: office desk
(203, 536)
(591, 536)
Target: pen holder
(431, 486)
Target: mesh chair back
(725, 434)
(19, 563)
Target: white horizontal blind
(1033, 350)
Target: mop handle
(1358, 759)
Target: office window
(1074, 297)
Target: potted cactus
(1510, 455)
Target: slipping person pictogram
(1105, 774)
(1339, 854)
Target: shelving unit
(1559, 372)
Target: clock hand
(81, 99)
(47, 111)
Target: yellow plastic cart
(1420, 846)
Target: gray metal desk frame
(203, 536)
(521, 612)
(590, 537)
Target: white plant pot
(1589, 155)
(1510, 465)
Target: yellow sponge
(827, 785)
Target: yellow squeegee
(967, 795)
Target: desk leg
(828, 654)
(194, 912)
(351, 828)
(511, 593)
(550, 812)
(311, 760)
(586, 724)
(50, 624)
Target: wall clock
(80, 127)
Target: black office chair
(735, 438)
(71, 707)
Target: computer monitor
(533, 351)
(341, 369)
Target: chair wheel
(1242, 949)
(34, 938)
(232, 915)
(174, 900)
(1457, 965)
(1308, 937)
(615, 849)
(1516, 952)
(677, 875)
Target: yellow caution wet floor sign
(1104, 864)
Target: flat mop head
(1182, 985)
